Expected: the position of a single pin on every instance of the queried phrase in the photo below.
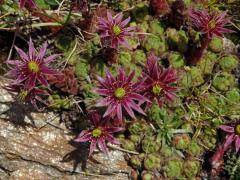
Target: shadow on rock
(79, 155)
(17, 114)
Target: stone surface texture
(37, 146)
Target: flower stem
(196, 53)
(121, 149)
(217, 160)
(32, 26)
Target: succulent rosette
(99, 134)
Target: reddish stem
(217, 158)
(196, 53)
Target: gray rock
(35, 145)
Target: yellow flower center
(33, 67)
(116, 30)
(156, 89)
(119, 93)
(237, 129)
(96, 133)
(212, 24)
(23, 94)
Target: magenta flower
(233, 136)
(27, 4)
(119, 92)
(99, 134)
(113, 30)
(159, 82)
(32, 67)
(32, 96)
(209, 23)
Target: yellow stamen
(212, 24)
(119, 93)
(156, 89)
(116, 30)
(22, 94)
(96, 133)
(33, 66)
(237, 129)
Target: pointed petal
(31, 49)
(237, 143)
(103, 92)
(21, 78)
(109, 17)
(43, 80)
(226, 128)
(169, 96)
(14, 62)
(12, 73)
(156, 71)
(102, 82)
(118, 18)
(111, 110)
(119, 111)
(125, 22)
(92, 146)
(137, 108)
(22, 54)
(110, 77)
(42, 51)
(129, 110)
(124, 43)
(41, 92)
(46, 70)
(114, 129)
(138, 97)
(83, 136)
(31, 82)
(51, 58)
(95, 119)
(127, 31)
(102, 145)
(22, 3)
(229, 140)
(104, 102)
(121, 75)
(111, 139)
(130, 77)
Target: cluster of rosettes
(122, 96)
(120, 93)
(29, 74)
(65, 81)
